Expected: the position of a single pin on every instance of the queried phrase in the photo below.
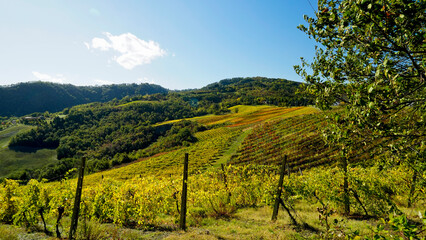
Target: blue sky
(176, 44)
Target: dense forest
(25, 98)
(258, 90)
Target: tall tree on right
(371, 58)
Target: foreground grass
(248, 223)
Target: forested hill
(25, 98)
(260, 90)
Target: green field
(22, 158)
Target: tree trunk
(346, 200)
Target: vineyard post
(74, 219)
(226, 183)
(279, 190)
(184, 194)
(288, 170)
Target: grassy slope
(136, 102)
(28, 158)
(214, 147)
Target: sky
(183, 44)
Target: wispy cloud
(132, 50)
(103, 82)
(58, 78)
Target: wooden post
(288, 170)
(224, 176)
(279, 190)
(58, 220)
(76, 210)
(182, 222)
(346, 199)
(226, 183)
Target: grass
(12, 160)
(8, 133)
(247, 223)
(225, 157)
(136, 102)
(247, 115)
(9, 232)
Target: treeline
(258, 90)
(216, 98)
(25, 98)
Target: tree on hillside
(371, 59)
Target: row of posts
(182, 220)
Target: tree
(371, 58)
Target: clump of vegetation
(371, 60)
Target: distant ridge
(37, 97)
(25, 98)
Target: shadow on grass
(24, 149)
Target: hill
(25, 98)
(260, 90)
(31, 97)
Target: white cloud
(101, 44)
(103, 82)
(59, 78)
(132, 50)
(146, 80)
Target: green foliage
(371, 60)
(180, 134)
(148, 201)
(9, 202)
(399, 227)
(249, 91)
(43, 96)
(35, 203)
